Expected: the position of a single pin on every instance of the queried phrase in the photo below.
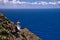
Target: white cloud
(58, 2)
(0, 0)
(53, 3)
(39, 3)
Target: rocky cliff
(8, 31)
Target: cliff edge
(8, 31)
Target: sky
(30, 4)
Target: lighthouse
(18, 26)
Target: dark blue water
(45, 23)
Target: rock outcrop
(8, 31)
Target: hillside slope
(8, 31)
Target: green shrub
(1, 28)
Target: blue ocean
(45, 23)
